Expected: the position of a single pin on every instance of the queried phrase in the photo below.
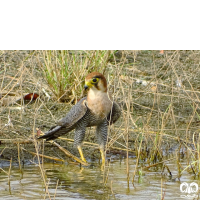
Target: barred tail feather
(55, 133)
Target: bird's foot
(102, 166)
(103, 160)
(81, 154)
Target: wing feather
(114, 114)
(67, 123)
(76, 113)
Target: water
(72, 182)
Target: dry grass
(159, 96)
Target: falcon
(96, 109)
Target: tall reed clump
(65, 70)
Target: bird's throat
(99, 103)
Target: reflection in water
(69, 182)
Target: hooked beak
(87, 85)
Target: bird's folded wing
(65, 124)
(76, 113)
(114, 114)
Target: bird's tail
(54, 133)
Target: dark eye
(94, 80)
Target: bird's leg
(79, 136)
(103, 159)
(101, 133)
(102, 156)
(81, 154)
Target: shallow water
(70, 181)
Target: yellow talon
(81, 154)
(102, 157)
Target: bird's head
(96, 81)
